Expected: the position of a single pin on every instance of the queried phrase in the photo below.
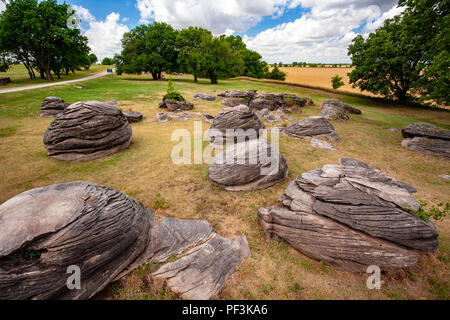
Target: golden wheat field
(320, 77)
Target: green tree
(337, 82)
(190, 50)
(219, 61)
(36, 34)
(149, 48)
(276, 74)
(408, 56)
(93, 58)
(107, 61)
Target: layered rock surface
(52, 106)
(86, 131)
(312, 127)
(236, 121)
(427, 139)
(176, 106)
(204, 97)
(337, 110)
(248, 166)
(351, 216)
(107, 235)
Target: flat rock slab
(87, 131)
(312, 127)
(52, 106)
(351, 216)
(248, 166)
(234, 102)
(170, 116)
(445, 176)
(176, 106)
(133, 116)
(427, 139)
(208, 118)
(107, 235)
(230, 123)
(277, 101)
(248, 95)
(317, 143)
(204, 97)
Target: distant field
(320, 77)
(19, 76)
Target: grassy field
(19, 76)
(320, 77)
(145, 172)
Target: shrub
(276, 74)
(172, 93)
(337, 82)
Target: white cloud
(83, 13)
(105, 36)
(217, 16)
(323, 34)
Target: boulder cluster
(107, 235)
(271, 101)
(86, 131)
(351, 216)
(427, 139)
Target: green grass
(145, 172)
(19, 76)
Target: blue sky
(281, 30)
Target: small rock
(316, 143)
(312, 127)
(176, 106)
(444, 176)
(52, 106)
(162, 117)
(133, 117)
(208, 118)
(204, 97)
(234, 102)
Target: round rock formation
(52, 106)
(106, 234)
(351, 216)
(248, 166)
(86, 131)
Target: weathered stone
(435, 147)
(164, 117)
(5, 81)
(53, 106)
(317, 143)
(445, 176)
(132, 116)
(262, 113)
(276, 101)
(234, 102)
(343, 105)
(425, 131)
(238, 120)
(272, 118)
(248, 95)
(351, 216)
(331, 112)
(204, 97)
(247, 166)
(86, 131)
(208, 118)
(312, 127)
(107, 235)
(325, 240)
(176, 106)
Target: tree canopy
(36, 34)
(408, 57)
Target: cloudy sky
(281, 30)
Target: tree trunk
(195, 78)
(159, 75)
(155, 76)
(42, 73)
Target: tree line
(158, 48)
(37, 35)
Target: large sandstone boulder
(351, 216)
(312, 127)
(86, 131)
(107, 235)
(176, 106)
(337, 110)
(427, 139)
(248, 166)
(52, 106)
(232, 122)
